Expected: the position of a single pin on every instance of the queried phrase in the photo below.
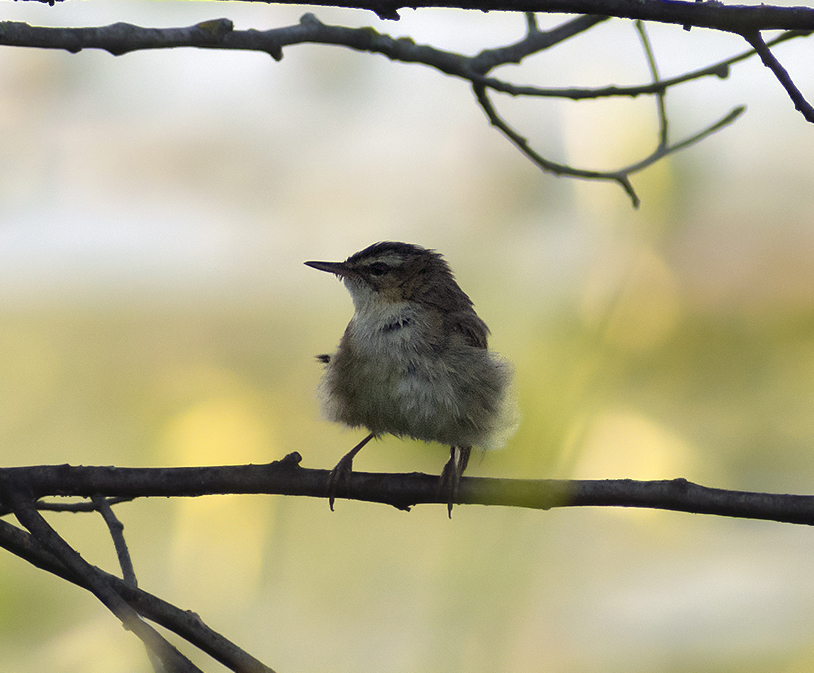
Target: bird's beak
(338, 268)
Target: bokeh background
(155, 211)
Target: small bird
(413, 361)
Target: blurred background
(155, 211)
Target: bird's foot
(451, 475)
(343, 470)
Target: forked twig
(547, 165)
(622, 175)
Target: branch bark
(286, 477)
(707, 14)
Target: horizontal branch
(708, 14)
(286, 477)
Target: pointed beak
(338, 268)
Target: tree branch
(116, 529)
(122, 38)
(286, 477)
(707, 14)
(770, 61)
(720, 70)
(15, 497)
(181, 622)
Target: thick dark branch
(709, 14)
(123, 38)
(286, 477)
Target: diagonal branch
(770, 61)
(116, 529)
(181, 622)
(661, 93)
(23, 507)
(534, 42)
(620, 176)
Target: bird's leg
(451, 474)
(343, 469)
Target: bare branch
(660, 94)
(707, 14)
(534, 42)
(720, 70)
(547, 165)
(181, 622)
(771, 62)
(25, 511)
(620, 176)
(116, 529)
(665, 151)
(286, 477)
(122, 38)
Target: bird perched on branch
(413, 361)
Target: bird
(414, 361)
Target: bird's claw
(341, 472)
(451, 475)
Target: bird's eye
(378, 269)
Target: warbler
(414, 362)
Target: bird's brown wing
(470, 326)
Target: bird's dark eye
(378, 269)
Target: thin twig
(547, 165)
(720, 70)
(724, 121)
(76, 507)
(661, 92)
(116, 529)
(534, 42)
